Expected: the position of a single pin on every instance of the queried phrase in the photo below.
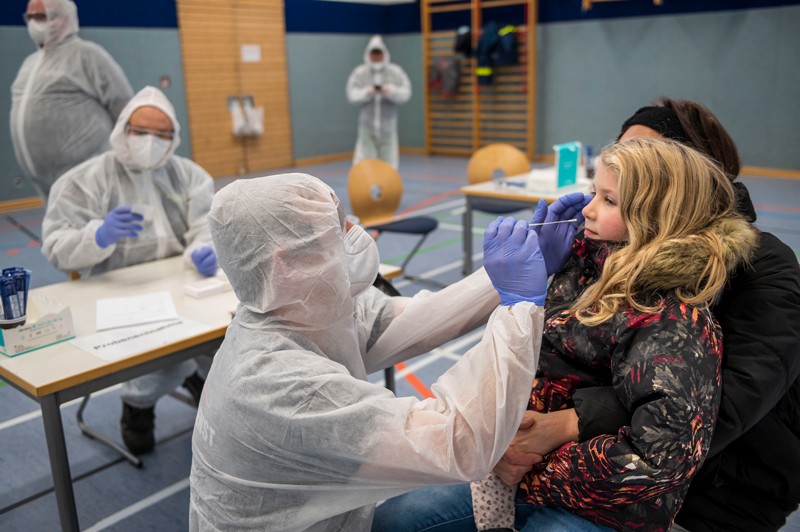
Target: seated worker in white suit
(136, 203)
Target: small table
(62, 372)
(534, 186)
(389, 271)
(59, 373)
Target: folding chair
(375, 190)
(482, 166)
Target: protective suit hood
(148, 96)
(279, 240)
(62, 20)
(376, 42)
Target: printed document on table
(115, 312)
(128, 341)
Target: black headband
(661, 119)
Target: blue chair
(375, 190)
(482, 166)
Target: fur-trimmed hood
(679, 264)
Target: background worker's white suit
(290, 435)
(377, 120)
(65, 100)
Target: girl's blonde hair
(671, 198)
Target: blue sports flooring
(113, 495)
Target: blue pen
(22, 282)
(8, 293)
(27, 273)
(10, 273)
(19, 286)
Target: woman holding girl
(629, 309)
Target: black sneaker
(137, 426)
(194, 384)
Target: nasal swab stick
(558, 222)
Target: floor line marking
(38, 413)
(21, 227)
(433, 209)
(441, 269)
(415, 382)
(430, 201)
(426, 178)
(408, 372)
(147, 502)
(450, 353)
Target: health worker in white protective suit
(65, 98)
(289, 433)
(136, 203)
(378, 86)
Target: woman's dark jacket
(751, 478)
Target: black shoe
(137, 426)
(194, 384)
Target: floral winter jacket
(665, 369)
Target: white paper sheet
(127, 311)
(121, 343)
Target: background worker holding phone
(378, 86)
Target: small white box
(49, 322)
(207, 287)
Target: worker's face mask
(148, 151)
(362, 259)
(377, 67)
(38, 31)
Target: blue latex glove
(555, 240)
(205, 260)
(121, 222)
(514, 262)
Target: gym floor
(113, 495)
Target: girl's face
(603, 217)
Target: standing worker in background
(136, 203)
(378, 86)
(66, 97)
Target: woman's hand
(538, 435)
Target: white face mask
(148, 151)
(38, 31)
(362, 259)
(377, 67)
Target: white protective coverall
(377, 120)
(64, 100)
(174, 199)
(289, 434)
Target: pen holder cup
(10, 324)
